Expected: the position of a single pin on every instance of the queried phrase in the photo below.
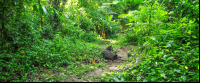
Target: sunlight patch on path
(110, 40)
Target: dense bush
(59, 52)
(170, 48)
(56, 34)
(36, 36)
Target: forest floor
(108, 68)
(117, 66)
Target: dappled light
(99, 41)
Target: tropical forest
(99, 40)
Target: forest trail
(95, 75)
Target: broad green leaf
(168, 45)
(163, 75)
(189, 32)
(161, 63)
(45, 75)
(106, 4)
(51, 10)
(130, 24)
(116, 79)
(145, 43)
(106, 18)
(171, 13)
(138, 78)
(166, 50)
(134, 71)
(61, 17)
(193, 60)
(110, 18)
(153, 38)
(170, 58)
(122, 15)
(188, 43)
(194, 36)
(66, 15)
(184, 78)
(115, 2)
(145, 80)
(183, 19)
(186, 67)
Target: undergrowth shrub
(170, 49)
(59, 52)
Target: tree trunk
(123, 25)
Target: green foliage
(53, 34)
(61, 51)
(170, 47)
(42, 34)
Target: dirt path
(109, 68)
(95, 75)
